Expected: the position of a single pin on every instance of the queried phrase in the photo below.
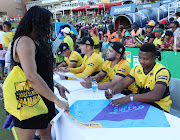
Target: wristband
(55, 83)
(131, 97)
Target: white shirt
(178, 20)
(1, 36)
(175, 33)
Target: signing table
(66, 129)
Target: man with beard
(152, 80)
(114, 70)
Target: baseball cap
(105, 35)
(159, 30)
(62, 47)
(118, 47)
(151, 23)
(66, 30)
(148, 26)
(127, 34)
(93, 30)
(135, 23)
(163, 22)
(86, 40)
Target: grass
(4, 133)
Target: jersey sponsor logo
(123, 70)
(162, 77)
(91, 64)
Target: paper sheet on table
(71, 76)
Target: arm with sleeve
(163, 77)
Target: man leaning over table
(72, 58)
(92, 63)
(152, 80)
(114, 70)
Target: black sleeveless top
(44, 62)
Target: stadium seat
(175, 96)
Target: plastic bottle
(94, 85)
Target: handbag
(20, 98)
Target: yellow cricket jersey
(89, 67)
(120, 69)
(70, 42)
(7, 38)
(96, 44)
(157, 41)
(146, 83)
(74, 57)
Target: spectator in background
(111, 32)
(168, 42)
(95, 39)
(81, 33)
(136, 43)
(122, 30)
(105, 46)
(163, 28)
(1, 36)
(136, 30)
(149, 36)
(158, 40)
(67, 39)
(128, 40)
(118, 37)
(177, 48)
(2, 62)
(175, 28)
(8, 36)
(178, 16)
(100, 34)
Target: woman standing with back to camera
(31, 50)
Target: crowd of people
(30, 47)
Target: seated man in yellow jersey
(95, 39)
(114, 70)
(92, 63)
(72, 58)
(152, 80)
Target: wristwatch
(131, 97)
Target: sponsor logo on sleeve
(91, 64)
(162, 77)
(123, 70)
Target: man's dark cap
(86, 40)
(118, 47)
(63, 47)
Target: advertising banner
(123, 9)
(148, 5)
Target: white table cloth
(66, 129)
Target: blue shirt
(105, 45)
